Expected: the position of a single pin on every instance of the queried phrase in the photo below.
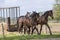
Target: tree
(57, 10)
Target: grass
(29, 37)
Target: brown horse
(21, 22)
(27, 22)
(43, 20)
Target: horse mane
(33, 16)
(46, 12)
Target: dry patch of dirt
(55, 28)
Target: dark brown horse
(34, 16)
(21, 22)
(43, 20)
(27, 22)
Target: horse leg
(28, 30)
(20, 28)
(36, 30)
(32, 30)
(40, 29)
(25, 30)
(49, 29)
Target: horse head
(34, 15)
(28, 14)
(50, 13)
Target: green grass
(28, 37)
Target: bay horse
(43, 20)
(21, 22)
(27, 22)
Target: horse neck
(46, 16)
(33, 20)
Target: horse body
(23, 22)
(43, 20)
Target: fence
(12, 12)
(8, 16)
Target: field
(55, 27)
(29, 37)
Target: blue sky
(29, 5)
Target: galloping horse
(43, 20)
(27, 22)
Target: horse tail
(19, 26)
(17, 23)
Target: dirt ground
(55, 28)
(5, 29)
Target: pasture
(55, 27)
(28, 37)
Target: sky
(29, 5)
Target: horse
(34, 17)
(27, 22)
(21, 21)
(43, 20)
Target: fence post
(8, 22)
(2, 30)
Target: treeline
(56, 10)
